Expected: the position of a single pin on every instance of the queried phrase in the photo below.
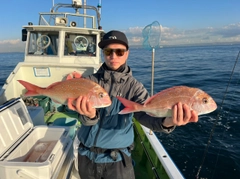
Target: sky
(183, 22)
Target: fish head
(98, 97)
(203, 103)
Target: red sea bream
(67, 91)
(160, 105)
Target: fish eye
(205, 100)
(100, 95)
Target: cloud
(231, 30)
(169, 36)
(12, 45)
(174, 36)
(13, 42)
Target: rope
(218, 116)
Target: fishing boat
(62, 44)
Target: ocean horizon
(22, 50)
(208, 67)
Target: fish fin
(73, 75)
(50, 86)
(166, 112)
(149, 99)
(70, 104)
(150, 114)
(163, 113)
(129, 106)
(31, 88)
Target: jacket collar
(118, 76)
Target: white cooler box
(26, 151)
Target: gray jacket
(94, 132)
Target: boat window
(80, 44)
(43, 43)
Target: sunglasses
(119, 52)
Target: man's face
(113, 60)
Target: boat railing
(73, 19)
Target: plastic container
(70, 123)
(28, 151)
(37, 115)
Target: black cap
(113, 37)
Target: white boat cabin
(61, 43)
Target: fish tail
(129, 106)
(32, 90)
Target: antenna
(85, 11)
(99, 6)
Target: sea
(210, 148)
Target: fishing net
(151, 40)
(151, 35)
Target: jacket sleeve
(153, 123)
(86, 121)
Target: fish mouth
(213, 107)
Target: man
(68, 46)
(106, 137)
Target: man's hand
(181, 115)
(82, 106)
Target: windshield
(43, 43)
(80, 44)
(75, 44)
